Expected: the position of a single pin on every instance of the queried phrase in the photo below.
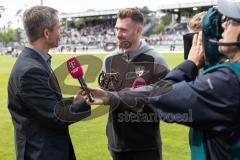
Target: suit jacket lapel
(52, 81)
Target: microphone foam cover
(138, 82)
(74, 67)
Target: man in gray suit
(40, 115)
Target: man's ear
(139, 29)
(46, 33)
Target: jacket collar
(30, 52)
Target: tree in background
(7, 35)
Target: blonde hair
(195, 23)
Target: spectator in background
(194, 26)
(195, 23)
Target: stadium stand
(90, 30)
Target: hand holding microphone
(75, 69)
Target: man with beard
(212, 98)
(134, 64)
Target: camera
(187, 43)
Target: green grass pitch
(89, 138)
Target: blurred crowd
(95, 35)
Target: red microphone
(75, 69)
(138, 82)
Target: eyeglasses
(230, 20)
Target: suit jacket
(39, 113)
